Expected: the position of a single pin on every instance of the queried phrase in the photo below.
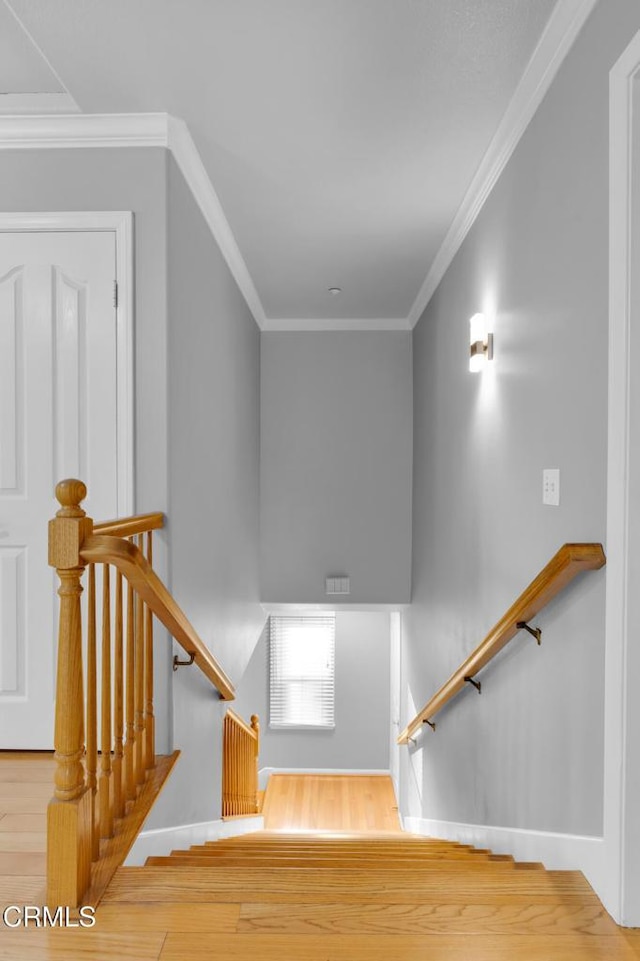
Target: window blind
(302, 671)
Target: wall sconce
(481, 341)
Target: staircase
(278, 896)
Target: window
(301, 671)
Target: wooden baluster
(225, 766)
(246, 769)
(91, 762)
(236, 792)
(129, 747)
(69, 811)
(241, 735)
(248, 745)
(240, 770)
(234, 770)
(255, 724)
(106, 811)
(149, 721)
(118, 720)
(248, 761)
(230, 730)
(139, 687)
(232, 766)
(243, 741)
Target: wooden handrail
(127, 558)
(570, 560)
(128, 526)
(107, 772)
(251, 731)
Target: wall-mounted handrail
(570, 560)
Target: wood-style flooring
(330, 802)
(380, 896)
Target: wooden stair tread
(185, 883)
(480, 918)
(346, 896)
(272, 947)
(349, 896)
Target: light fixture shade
(481, 343)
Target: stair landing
(330, 802)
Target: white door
(395, 625)
(58, 418)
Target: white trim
(186, 155)
(336, 323)
(121, 223)
(563, 27)
(265, 772)
(37, 103)
(558, 852)
(623, 431)
(139, 130)
(163, 130)
(70, 131)
(162, 841)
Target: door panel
(58, 419)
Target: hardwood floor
(310, 802)
(26, 781)
(355, 897)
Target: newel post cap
(69, 494)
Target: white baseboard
(265, 772)
(560, 852)
(164, 840)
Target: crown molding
(563, 27)
(71, 130)
(65, 131)
(186, 155)
(139, 130)
(335, 323)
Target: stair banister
(101, 798)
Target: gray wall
(132, 179)
(529, 752)
(214, 421)
(336, 465)
(360, 737)
(197, 429)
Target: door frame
(621, 869)
(119, 222)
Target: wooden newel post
(69, 812)
(255, 725)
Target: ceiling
(340, 135)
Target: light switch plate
(551, 486)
